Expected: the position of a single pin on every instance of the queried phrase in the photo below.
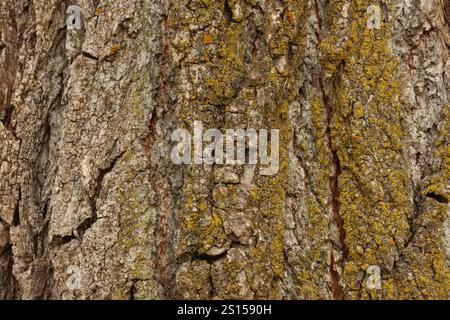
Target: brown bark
(91, 205)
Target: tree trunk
(92, 206)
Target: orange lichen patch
(99, 10)
(207, 38)
(115, 48)
(291, 15)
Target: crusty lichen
(314, 262)
(253, 57)
(235, 65)
(136, 221)
(368, 130)
(425, 270)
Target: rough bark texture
(86, 178)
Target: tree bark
(91, 205)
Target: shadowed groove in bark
(165, 263)
(438, 197)
(337, 292)
(334, 202)
(98, 185)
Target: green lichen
(135, 222)
(314, 263)
(232, 79)
(429, 272)
(368, 131)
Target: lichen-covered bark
(87, 182)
